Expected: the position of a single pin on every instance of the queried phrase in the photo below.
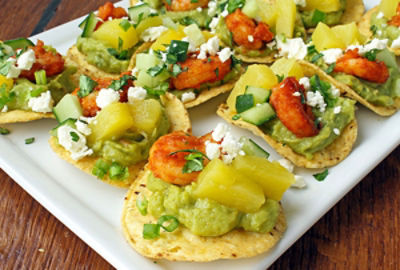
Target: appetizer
(300, 114)
(206, 198)
(106, 127)
(33, 78)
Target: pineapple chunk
(388, 7)
(288, 67)
(273, 178)
(111, 122)
(222, 183)
(8, 82)
(147, 23)
(323, 5)
(146, 114)
(324, 38)
(349, 34)
(111, 32)
(268, 11)
(167, 37)
(256, 75)
(286, 17)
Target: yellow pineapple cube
(288, 67)
(388, 7)
(349, 34)
(286, 17)
(323, 5)
(111, 32)
(167, 37)
(146, 114)
(324, 38)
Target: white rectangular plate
(92, 209)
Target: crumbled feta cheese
(296, 94)
(199, 9)
(134, 71)
(13, 72)
(214, 23)
(212, 150)
(136, 93)
(219, 132)
(315, 99)
(286, 164)
(5, 108)
(376, 43)
(250, 38)
(26, 60)
(43, 103)
(336, 131)
(379, 15)
(212, 8)
(78, 148)
(224, 54)
(379, 32)
(83, 128)
(225, 12)
(211, 47)
(152, 33)
(231, 145)
(106, 97)
(331, 55)
(188, 96)
(88, 119)
(337, 109)
(301, 3)
(191, 48)
(292, 48)
(271, 44)
(335, 92)
(395, 43)
(305, 81)
(299, 182)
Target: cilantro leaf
(125, 24)
(5, 95)
(280, 77)
(330, 68)
(235, 4)
(176, 70)
(371, 55)
(154, 71)
(118, 84)
(323, 88)
(157, 91)
(318, 16)
(316, 57)
(373, 29)
(321, 176)
(86, 86)
(194, 161)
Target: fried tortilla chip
(353, 12)
(179, 120)
(268, 59)
(18, 116)
(182, 245)
(331, 155)
(348, 92)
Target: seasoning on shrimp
(185, 5)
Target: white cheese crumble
(134, 71)
(5, 108)
(271, 44)
(219, 132)
(379, 15)
(212, 150)
(301, 3)
(13, 72)
(250, 38)
(230, 146)
(395, 43)
(331, 55)
(336, 131)
(225, 12)
(188, 96)
(26, 60)
(88, 119)
(335, 92)
(214, 23)
(292, 48)
(305, 81)
(191, 48)
(337, 109)
(78, 148)
(106, 97)
(211, 47)
(315, 99)
(199, 9)
(212, 8)
(286, 164)
(296, 94)
(376, 43)
(224, 54)
(43, 103)
(299, 182)
(83, 128)
(136, 93)
(152, 33)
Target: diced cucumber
(135, 11)
(388, 58)
(68, 107)
(147, 23)
(259, 114)
(260, 95)
(244, 102)
(70, 122)
(19, 43)
(195, 35)
(168, 22)
(144, 61)
(145, 80)
(252, 149)
(90, 25)
(154, 3)
(251, 9)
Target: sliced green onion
(29, 140)
(118, 172)
(141, 204)
(40, 77)
(74, 136)
(4, 131)
(37, 92)
(236, 117)
(173, 223)
(321, 176)
(101, 168)
(151, 231)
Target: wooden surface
(361, 232)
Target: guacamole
(132, 147)
(59, 86)
(97, 54)
(331, 18)
(382, 30)
(206, 217)
(329, 120)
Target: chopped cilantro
(29, 140)
(373, 29)
(280, 77)
(5, 68)
(118, 84)
(176, 70)
(187, 21)
(318, 16)
(371, 55)
(194, 161)
(321, 176)
(322, 87)
(5, 96)
(316, 57)
(74, 136)
(311, 50)
(86, 86)
(157, 91)
(216, 72)
(156, 70)
(330, 68)
(120, 43)
(125, 24)
(235, 4)
(120, 55)
(194, 1)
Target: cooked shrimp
(354, 64)
(51, 62)
(198, 71)
(396, 18)
(295, 116)
(245, 32)
(184, 5)
(169, 167)
(109, 11)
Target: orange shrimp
(354, 64)
(295, 116)
(51, 62)
(109, 11)
(396, 18)
(184, 5)
(243, 27)
(169, 167)
(199, 71)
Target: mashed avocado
(329, 120)
(97, 54)
(382, 30)
(58, 85)
(206, 217)
(331, 18)
(132, 147)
